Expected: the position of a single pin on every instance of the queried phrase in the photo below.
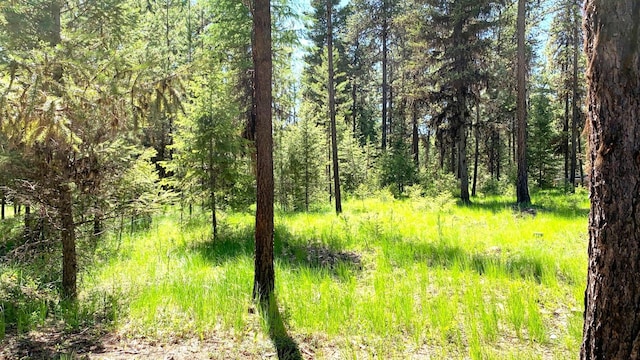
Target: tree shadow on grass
(285, 345)
(534, 267)
(568, 209)
(289, 250)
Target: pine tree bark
(461, 147)
(476, 154)
(68, 235)
(522, 186)
(264, 282)
(612, 43)
(565, 139)
(332, 109)
(385, 85)
(574, 105)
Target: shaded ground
(55, 343)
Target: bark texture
(612, 297)
(522, 186)
(385, 84)
(332, 109)
(264, 274)
(68, 235)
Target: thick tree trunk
(68, 235)
(332, 109)
(522, 186)
(612, 297)
(263, 284)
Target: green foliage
(300, 165)
(541, 157)
(357, 164)
(24, 301)
(460, 279)
(436, 181)
(397, 168)
(138, 192)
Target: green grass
(385, 279)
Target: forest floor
(421, 278)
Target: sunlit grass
(386, 278)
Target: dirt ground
(53, 343)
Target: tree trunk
(385, 85)
(477, 150)
(565, 134)
(574, 107)
(3, 203)
(498, 155)
(212, 190)
(263, 284)
(307, 175)
(580, 167)
(414, 133)
(427, 148)
(522, 186)
(332, 109)
(68, 235)
(461, 147)
(354, 107)
(97, 226)
(612, 319)
(214, 219)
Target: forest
(252, 179)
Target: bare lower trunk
(565, 140)
(612, 319)
(461, 145)
(476, 152)
(385, 85)
(498, 154)
(580, 166)
(68, 236)
(522, 186)
(574, 109)
(97, 226)
(414, 133)
(332, 110)
(264, 282)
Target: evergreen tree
(459, 37)
(542, 162)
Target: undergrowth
(387, 278)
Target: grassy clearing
(387, 278)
